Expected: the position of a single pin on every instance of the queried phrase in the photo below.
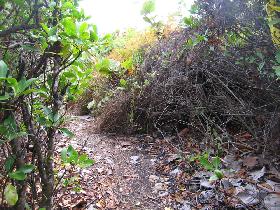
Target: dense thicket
(216, 74)
(41, 45)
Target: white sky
(110, 15)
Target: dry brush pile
(212, 86)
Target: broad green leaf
(63, 154)
(28, 168)
(27, 92)
(17, 175)
(83, 27)
(69, 155)
(216, 162)
(10, 123)
(13, 84)
(56, 119)
(219, 174)
(83, 31)
(67, 132)
(9, 163)
(72, 154)
(68, 5)
(10, 194)
(205, 162)
(148, 7)
(47, 111)
(5, 97)
(45, 27)
(3, 69)
(19, 2)
(23, 84)
(84, 161)
(69, 74)
(3, 129)
(69, 26)
(93, 36)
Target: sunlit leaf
(10, 194)
(69, 26)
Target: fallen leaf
(101, 204)
(256, 175)
(272, 201)
(250, 162)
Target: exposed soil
(143, 172)
(120, 177)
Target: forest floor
(142, 172)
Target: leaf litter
(144, 172)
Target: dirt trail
(146, 173)
(124, 175)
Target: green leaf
(10, 194)
(63, 155)
(128, 64)
(72, 154)
(12, 82)
(3, 69)
(53, 32)
(219, 174)
(45, 27)
(67, 132)
(69, 74)
(84, 161)
(68, 5)
(28, 168)
(93, 36)
(23, 84)
(277, 70)
(83, 27)
(277, 56)
(17, 175)
(205, 162)
(123, 82)
(5, 97)
(274, 22)
(216, 162)
(69, 26)
(9, 163)
(103, 66)
(148, 7)
(69, 155)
